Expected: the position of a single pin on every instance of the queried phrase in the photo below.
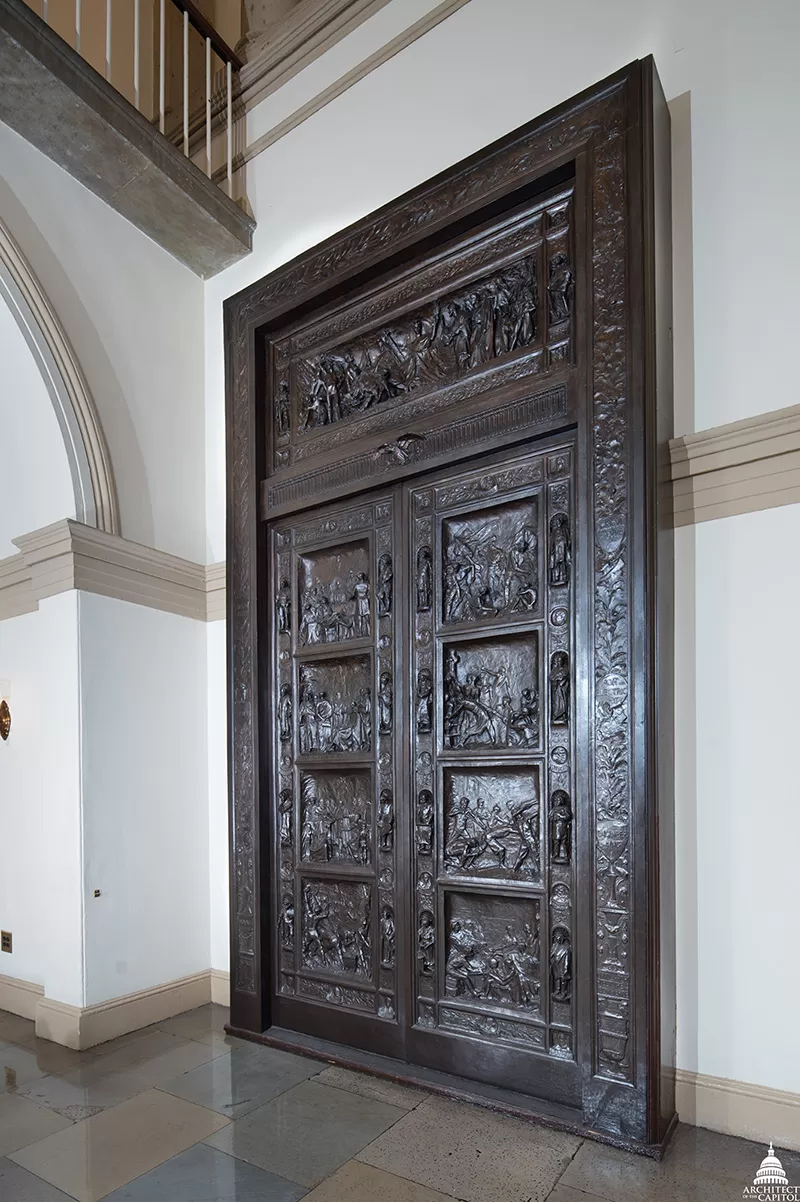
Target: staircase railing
(136, 51)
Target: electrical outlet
(5, 941)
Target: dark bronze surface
(444, 753)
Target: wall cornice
(737, 468)
(280, 52)
(69, 555)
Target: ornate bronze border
(607, 129)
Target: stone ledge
(740, 467)
(61, 105)
(68, 555)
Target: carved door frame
(616, 136)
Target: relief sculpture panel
(334, 589)
(335, 711)
(337, 927)
(493, 951)
(491, 563)
(491, 693)
(492, 822)
(442, 340)
(336, 817)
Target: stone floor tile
(108, 1080)
(18, 1066)
(246, 1079)
(307, 1132)
(204, 1174)
(625, 1177)
(563, 1193)
(23, 1122)
(404, 1096)
(53, 1058)
(129, 1050)
(473, 1153)
(14, 1029)
(90, 1159)
(694, 1148)
(18, 1185)
(198, 1024)
(357, 1182)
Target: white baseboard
(20, 997)
(737, 1108)
(220, 987)
(81, 1028)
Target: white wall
(35, 481)
(217, 796)
(144, 755)
(747, 971)
(729, 73)
(134, 316)
(40, 882)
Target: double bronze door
(424, 819)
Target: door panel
(491, 732)
(334, 789)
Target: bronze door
(334, 774)
(492, 637)
(423, 836)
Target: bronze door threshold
(460, 1089)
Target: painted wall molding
(69, 555)
(741, 467)
(84, 1027)
(737, 1108)
(278, 53)
(93, 482)
(20, 997)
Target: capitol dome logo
(770, 1183)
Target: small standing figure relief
(559, 288)
(387, 937)
(285, 713)
(361, 597)
(385, 585)
(284, 413)
(284, 604)
(425, 823)
(561, 965)
(424, 579)
(426, 939)
(560, 827)
(286, 921)
(559, 688)
(285, 807)
(385, 704)
(386, 820)
(424, 702)
(560, 549)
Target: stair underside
(60, 104)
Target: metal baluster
(108, 40)
(230, 130)
(78, 25)
(136, 54)
(185, 83)
(161, 68)
(208, 107)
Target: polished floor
(182, 1113)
